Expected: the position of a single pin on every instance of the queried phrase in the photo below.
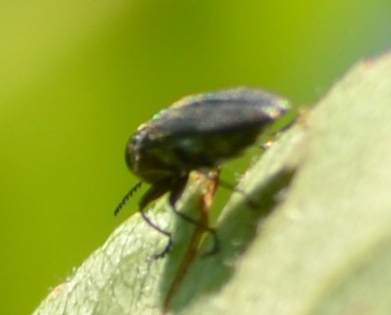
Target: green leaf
(318, 241)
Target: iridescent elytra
(197, 133)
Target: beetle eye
(135, 139)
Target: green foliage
(318, 242)
(78, 77)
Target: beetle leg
(175, 194)
(152, 194)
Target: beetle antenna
(126, 198)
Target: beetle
(197, 133)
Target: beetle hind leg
(175, 194)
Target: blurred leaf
(324, 248)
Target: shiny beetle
(198, 132)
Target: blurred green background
(78, 77)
